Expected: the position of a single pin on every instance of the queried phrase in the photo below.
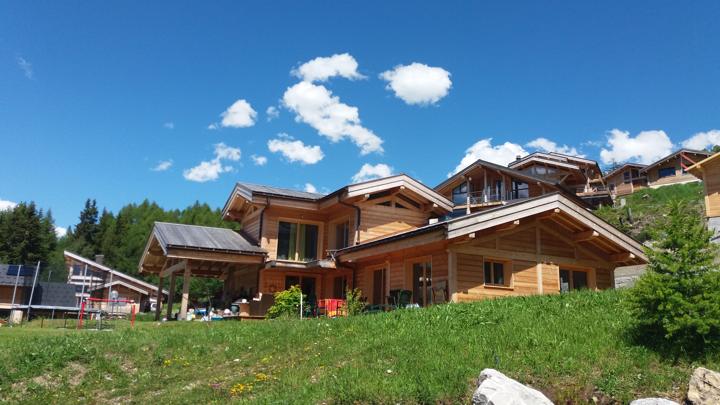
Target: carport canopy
(196, 251)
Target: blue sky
(94, 96)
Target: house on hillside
(18, 286)
(91, 278)
(579, 175)
(626, 179)
(708, 170)
(518, 234)
(672, 169)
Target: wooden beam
(622, 257)
(508, 226)
(171, 294)
(550, 213)
(158, 298)
(177, 253)
(585, 236)
(172, 269)
(185, 294)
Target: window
(666, 172)
(342, 235)
(421, 281)
(573, 280)
(339, 286)
(459, 194)
(626, 177)
(495, 273)
(520, 190)
(297, 242)
(635, 173)
(306, 284)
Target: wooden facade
(672, 169)
(626, 179)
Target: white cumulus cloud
(418, 83)
(321, 69)
(296, 150)
(316, 106)
(7, 205)
(238, 115)
(162, 165)
(646, 147)
(310, 188)
(703, 140)
(212, 169)
(259, 160)
(547, 145)
(483, 149)
(26, 67)
(370, 172)
(272, 112)
(60, 231)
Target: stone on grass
(704, 387)
(653, 401)
(495, 388)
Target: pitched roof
(507, 170)
(279, 191)
(615, 171)
(203, 238)
(488, 218)
(674, 155)
(697, 168)
(115, 273)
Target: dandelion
(167, 363)
(260, 377)
(239, 389)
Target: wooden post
(171, 294)
(467, 196)
(452, 276)
(158, 299)
(185, 293)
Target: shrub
(353, 302)
(287, 303)
(678, 298)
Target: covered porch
(177, 250)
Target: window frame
(507, 272)
(332, 232)
(320, 236)
(660, 170)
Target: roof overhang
(403, 182)
(698, 168)
(674, 155)
(115, 273)
(555, 206)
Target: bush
(677, 300)
(353, 303)
(287, 303)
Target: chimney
(99, 259)
(517, 157)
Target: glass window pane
(310, 242)
(291, 281)
(579, 280)
(488, 273)
(564, 280)
(498, 270)
(286, 241)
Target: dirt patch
(77, 373)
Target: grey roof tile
(286, 192)
(203, 237)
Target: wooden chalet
(92, 279)
(672, 169)
(708, 170)
(626, 179)
(581, 176)
(522, 235)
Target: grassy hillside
(643, 207)
(572, 347)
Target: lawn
(571, 347)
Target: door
(379, 286)
(307, 285)
(422, 283)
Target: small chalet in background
(90, 278)
(626, 179)
(708, 170)
(672, 169)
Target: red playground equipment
(112, 310)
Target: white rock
(704, 387)
(653, 401)
(495, 388)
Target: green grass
(572, 347)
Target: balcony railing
(480, 197)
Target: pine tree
(678, 298)
(86, 231)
